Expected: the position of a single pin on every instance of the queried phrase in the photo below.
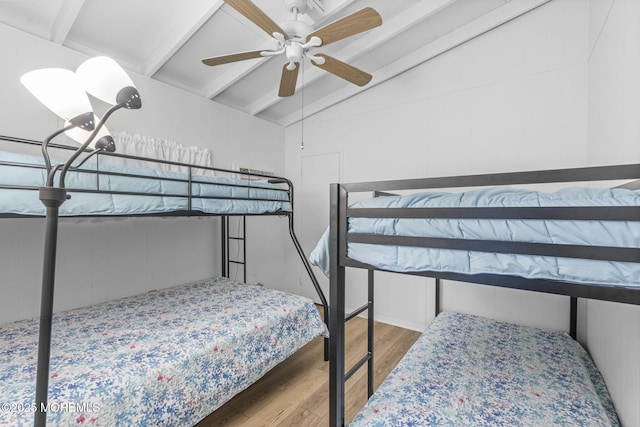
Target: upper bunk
(576, 241)
(111, 189)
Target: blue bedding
(164, 358)
(160, 195)
(412, 259)
(471, 371)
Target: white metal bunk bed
(507, 238)
(167, 357)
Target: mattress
(156, 191)
(473, 371)
(165, 358)
(569, 232)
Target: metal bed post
(224, 220)
(370, 334)
(244, 247)
(438, 308)
(573, 320)
(337, 302)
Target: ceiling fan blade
(225, 59)
(343, 70)
(362, 20)
(288, 80)
(256, 15)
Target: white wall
(558, 87)
(612, 332)
(104, 259)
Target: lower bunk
(473, 371)
(165, 358)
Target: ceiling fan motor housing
(297, 29)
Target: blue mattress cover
(411, 259)
(160, 198)
(164, 358)
(472, 371)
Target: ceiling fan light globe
(294, 52)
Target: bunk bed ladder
(368, 357)
(239, 239)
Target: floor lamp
(65, 93)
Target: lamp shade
(102, 141)
(103, 78)
(59, 90)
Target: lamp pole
(53, 197)
(59, 90)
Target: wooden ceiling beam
(67, 15)
(199, 14)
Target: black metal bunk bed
(340, 238)
(180, 194)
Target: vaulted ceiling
(167, 39)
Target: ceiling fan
(295, 38)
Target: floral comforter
(165, 358)
(471, 371)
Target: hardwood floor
(295, 393)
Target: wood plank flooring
(296, 392)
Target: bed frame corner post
(573, 320)
(337, 308)
(224, 226)
(438, 292)
(370, 331)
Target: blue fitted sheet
(471, 371)
(412, 259)
(162, 196)
(164, 358)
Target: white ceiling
(166, 40)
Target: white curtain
(154, 148)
